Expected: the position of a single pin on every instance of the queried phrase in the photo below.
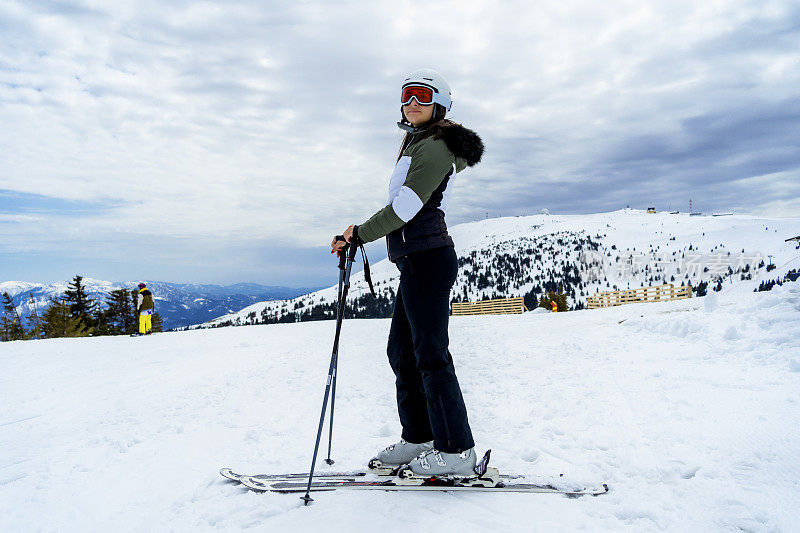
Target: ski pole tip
(306, 499)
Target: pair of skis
(486, 479)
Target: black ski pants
(429, 398)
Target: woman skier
(436, 438)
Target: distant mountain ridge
(179, 304)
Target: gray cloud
(211, 122)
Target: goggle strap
(443, 100)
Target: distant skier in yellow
(145, 307)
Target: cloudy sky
(220, 142)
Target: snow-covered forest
(578, 255)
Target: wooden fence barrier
(661, 293)
(498, 306)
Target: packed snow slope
(688, 409)
(581, 254)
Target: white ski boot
(396, 455)
(434, 463)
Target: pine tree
(80, 305)
(5, 329)
(134, 309)
(129, 320)
(158, 323)
(557, 296)
(120, 313)
(58, 321)
(12, 329)
(102, 324)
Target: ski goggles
(424, 95)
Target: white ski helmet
(429, 77)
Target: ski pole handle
(340, 252)
(351, 251)
(347, 253)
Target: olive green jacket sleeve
(430, 162)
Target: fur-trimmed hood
(461, 141)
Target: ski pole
(351, 253)
(336, 363)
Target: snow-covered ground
(689, 410)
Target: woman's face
(418, 114)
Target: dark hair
(439, 112)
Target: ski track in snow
(688, 409)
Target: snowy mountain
(581, 254)
(687, 409)
(178, 304)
